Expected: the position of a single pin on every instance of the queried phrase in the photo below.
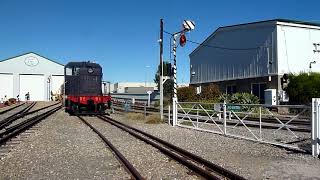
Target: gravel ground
(249, 159)
(61, 147)
(150, 162)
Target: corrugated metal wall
(209, 64)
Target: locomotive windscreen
(83, 78)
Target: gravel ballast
(249, 159)
(62, 147)
(149, 161)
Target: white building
(253, 57)
(121, 86)
(31, 73)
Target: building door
(6, 87)
(257, 89)
(35, 85)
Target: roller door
(6, 85)
(57, 82)
(34, 84)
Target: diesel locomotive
(83, 89)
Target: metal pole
(169, 115)
(145, 112)
(260, 122)
(224, 118)
(161, 69)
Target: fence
(315, 127)
(282, 125)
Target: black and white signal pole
(187, 26)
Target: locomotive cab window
(68, 71)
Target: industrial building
(256, 56)
(134, 87)
(33, 73)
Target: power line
(219, 47)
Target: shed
(33, 73)
(255, 56)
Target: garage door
(34, 84)
(57, 81)
(6, 85)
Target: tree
(187, 94)
(303, 87)
(210, 92)
(168, 85)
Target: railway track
(267, 123)
(10, 131)
(128, 166)
(202, 167)
(11, 108)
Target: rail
(130, 168)
(22, 126)
(199, 165)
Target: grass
(150, 119)
(187, 123)
(154, 119)
(135, 116)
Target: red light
(183, 40)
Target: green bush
(210, 92)
(303, 87)
(240, 98)
(187, 94)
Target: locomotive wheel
(101, 108)
(75, 108)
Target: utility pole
(161, 69)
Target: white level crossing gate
(315, 127)
(288, 126)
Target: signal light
(183, 40)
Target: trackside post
(315, 127)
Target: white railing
(283, 125)
(315, 127)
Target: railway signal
(183, 39)
(187, 25)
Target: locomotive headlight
(90, 70)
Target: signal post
(187, 25)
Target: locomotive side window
(68, 71)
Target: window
(68, 71)
(257, 89)
(230, 89)
(198, 89)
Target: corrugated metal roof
(257, 22)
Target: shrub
(303, 87)
(240, 98)
(210, 92)
(187, 94)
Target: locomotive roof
(82, 64)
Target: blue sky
(122, 35)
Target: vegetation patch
(135, 116)
(153, 119)
(303, 87)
